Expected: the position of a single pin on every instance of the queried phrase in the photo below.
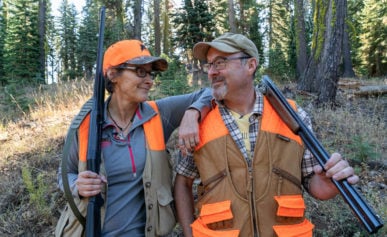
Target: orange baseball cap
(132, 52)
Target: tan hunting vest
(269, 195)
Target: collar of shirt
(258, 105)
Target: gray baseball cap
(227, 43)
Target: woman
(135, 177)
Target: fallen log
(349, 83)
(371, 90)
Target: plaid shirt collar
(253, 128)
(258, 106)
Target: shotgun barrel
(362, 210)
(93, 217)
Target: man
(251, 166)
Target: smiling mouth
(217, 79)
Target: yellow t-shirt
(243, 125)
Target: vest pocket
(206, 186)
(304, 229)
(166, 217)
(290, 205)
(288, 176)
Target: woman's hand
(89, 183)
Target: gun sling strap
(66, 150)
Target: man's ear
(252, 63)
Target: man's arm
(184, 203)
(321, 185)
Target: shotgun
(93, 217)
(364, 212)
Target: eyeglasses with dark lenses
(140, 71)
(220, 63)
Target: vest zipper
(251, 190)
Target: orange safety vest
(153, 131)
(267, 199)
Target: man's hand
(89, 183)
(189, 131)
(321, 185)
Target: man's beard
(220, 90)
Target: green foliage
(174, 80)
(255, 25)
(15, 99)
(282, 56)
(2, 33)
(37, 190)
(278, 66)
(87, 43)
(373, 37)
(67, 32)
(21, 43)
(219, 9)
(193, 23)
(362, 150)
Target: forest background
(47, 67)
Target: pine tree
(374, 37)
(254, 26)
(193, 23)
(322, 73)
(21, 46)
(52, 59)
(67, 29)
(2, 37)
(88, 40)
(281, 38)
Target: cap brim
(200, 49)
(158, 64)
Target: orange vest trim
(199, 229)
(303, 229)
(290, 205)
(214, 212)
(84, 138)
(268, 118)
(153, 129)
(213, 126)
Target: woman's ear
(111, 74)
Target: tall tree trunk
(42, 38)
(166, 29)
(328, 70)
(137, 18)
(270, 24)
(322, 72)
(347, 62)
(231, 16)
(157, 27)
(301, 51)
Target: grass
(31, 147)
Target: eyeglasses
(140, 71)
(220, 63)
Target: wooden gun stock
(364, 212)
